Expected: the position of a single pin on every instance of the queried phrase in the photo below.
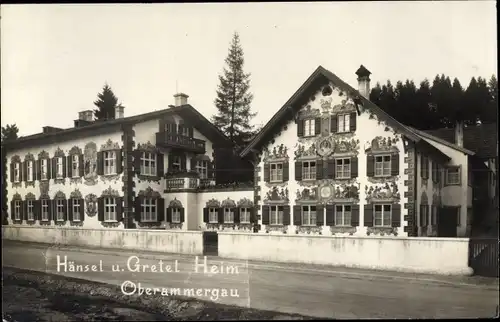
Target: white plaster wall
(430, 188)
(204, 197)
(180, 242)
(366, 130)
(456, 195)
(420, 254)
(67, 187)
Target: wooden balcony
(185, 180)
(176, 141)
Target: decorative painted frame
(175, 203)
(213, 203)
(228, 203)
(75, 150)
(44, 155)
(17, 159)
(151, 148)
(110, 192)
(17, 197)
(110, 145)
(91, 205)
(31, 196)
(59, 195)
(383, 146)
(149, 193)
(59, 153)
(30, 158)
(245, 203)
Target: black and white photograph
(205, 161)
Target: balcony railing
(172, 184)
(173, 140)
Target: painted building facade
(330, 162)
(156, 170)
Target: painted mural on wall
(75, 151)
(91, 205)
(90, 164)
(277, 195)
(279, 152)
(388, 192)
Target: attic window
(327, 91)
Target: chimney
(119, 111)
(363, 81)
(87, 115)
(459, 133)
(181, 99)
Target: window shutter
(297, 215)
(300, 128)
(119, 161)
(168, 214)
(137, 161)
(100, 163)
(65, 166)
(12, 172)
(333, 124)
(317, 126)
(221, 215)
(70, 209)
(267, 172)
(422, 166)
(12, 209)
(429, 214)
(354, 167)
(286, 215)
(37, 206)
(191, 132)
(173, 128)
(82, 213)
(236, 212)
(352, 123)
(395, 164)
(331, 169)
(65, 209)
(181, 212)
(24, 210)
(211, 169)
(69, 166)
(54, 168)
(368, 215)
(81, 166)
(49, 209)
(286, 171)
(438, 174)
(330, 215)
(205, 215)
(180, 127)
(320, 215)
(137, 208)
(24, 167)
(119, 208)
(370, 165)
(319, 169)
(38, 166)
(265, 215)
(49, 168)
(183, 162)
(161, 209)
(396, 215)
(354, 215)
(160, 165)
(100, 209)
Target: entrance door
(447, 220)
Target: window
(109, 209)
(434, 215)
(59, 167)
(228, 215)
(43, 170)
(244, 215)
(109, 162)
(17, 172)
(202, 168)
(423, 215)
(342, 215)
(31, 213)
(309, 170)
(176, 163)
(75, 164)
(276, 172)
(343, 168)
(148, 164)
(176, 215)
(310, 127)
(17, 210)
(382, 215)
(435, 173)
(183, 130)
(453, 175)
(383, 166)
(60, 209)
(308, 215)
(276, 215)
(425, 167)
(213, 216)
(45, 210)
(148, 212)
(76, 210)
(343, 125)
(30, 171)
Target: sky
(55, 58)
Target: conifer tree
(234, 99)
(106, 103)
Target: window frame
(30, 210)
(383, 164)
(59, 168)
(342, 166)
(44, 169)
(59, 209)
(110, 158)
(75, 204)
(17, 210)
(152, 158)
(45, 209)
(17, 172)
(346, 123)
(228, 215)
(202, 168)
(75, 171)
(343, 213)
(176, 215)
(311, 174)
(149, 209)
(434, 215)
(109, 203)
(382, 213)
(176, 163)
(309, 127)
(30, 168)
(184, 130)
(308, 212)
(213, 215)
(424, 215)
(278, 170)
(244, 213)
(458, 175)
(276, 212)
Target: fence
(483, 256)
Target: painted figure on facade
(90, 163)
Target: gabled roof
(319, 77)
(481, 139)
(439, 140)
(187, 112)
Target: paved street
(316, 291)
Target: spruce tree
(234, 98)
(9, 133)
(106, 103)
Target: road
(299, 289)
